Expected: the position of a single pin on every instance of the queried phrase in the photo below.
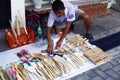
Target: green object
(39, 30)
(25, 63)
(35, 60)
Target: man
(62, 16)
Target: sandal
(26, 54)
(22, 58)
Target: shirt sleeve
(71, 13)
(50, 19)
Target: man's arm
(67, 28)
(50, 44)
(49, 25)
(49, 34)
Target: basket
(21, 40)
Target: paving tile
(117, 59)
(97, 78)
(85, 77)
(101, 73)
(113, 74)
(77, 77)
(114, 62)
(113, 53)
(116, 68)
(109, 78)
(81, 77)
(118, 72)
(106, 66)
(91, 73)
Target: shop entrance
(5, 13)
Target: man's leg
(59, 30)
(59, 27)
(86, 20)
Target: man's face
(60, 12)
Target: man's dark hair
(58, 5)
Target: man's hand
(50, 48)
(58, 44)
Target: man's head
(58, 7)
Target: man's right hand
(50, 48)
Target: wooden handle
(17, 26)
(13, 30)
(25, 30)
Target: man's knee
(59, 30)
(85, 16)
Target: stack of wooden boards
(96, 55)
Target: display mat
(9, 56)
(108, 42)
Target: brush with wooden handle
(65, 66)
(49, 67)
(19, 75)
(42, 68)
(34, 65)
(25, 30)
(48, 70)
(8, 33)
(14, 32)
(1, 75)
(23, 25)
(17, 22)
(20, 69)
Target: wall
(18, 9)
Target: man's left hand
(58, 44)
